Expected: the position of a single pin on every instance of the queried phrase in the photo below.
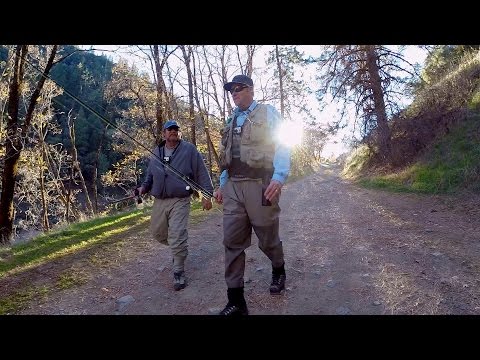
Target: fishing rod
(135, 196)
(191, 184)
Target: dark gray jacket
(162, 183)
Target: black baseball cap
(238, 79)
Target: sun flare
(290, 133)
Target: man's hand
(273, 191)
(206, 203)
(218, 196)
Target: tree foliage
(369, 77)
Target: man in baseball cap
(254, 168)
(171, 205)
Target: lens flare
(290, 133)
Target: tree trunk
(43, 191)
(58, 181)
(15, 133)
(10, 170)
(250, 54)
(211, 147)
(95, 171)
(12, 148)
(45, 223)
(280, 79)
(191, 108)
(70, 181)
(379, 103)
(161, 103)
(248, 68)
(76, 164)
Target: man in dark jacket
(171, 207)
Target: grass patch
(18, 300)
(79, 236)
(76, 237)
(107, 233)
(71, 278)
(451, 165)
(356, 162)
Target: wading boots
(236, 306)
(278, 280)
(179, 281)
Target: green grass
(71, 278)
(55, 245)
(452, 164)
(356, 162)
(99, 232)
(76, 237)
(79, 236)
(12, 303)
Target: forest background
(69, 116)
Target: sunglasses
(237, 89)
(172, 128)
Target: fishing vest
(256, 144)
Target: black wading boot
(278, 280)
(179, 281)
(237, 306)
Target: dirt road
(348, 251)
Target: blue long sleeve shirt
(281, 159)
